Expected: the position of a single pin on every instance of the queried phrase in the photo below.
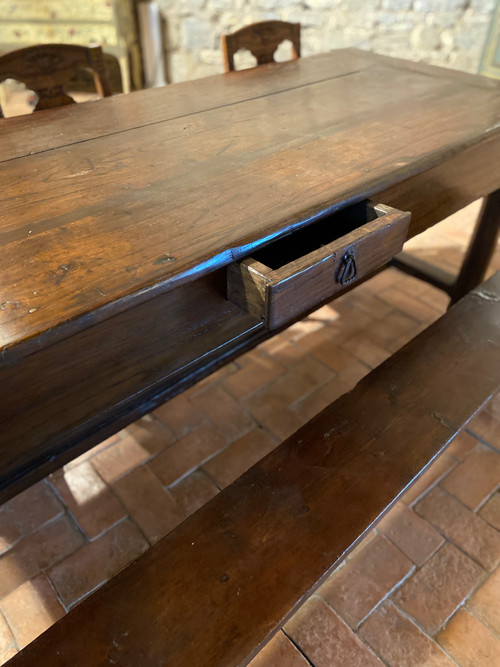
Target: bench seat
(217, 588)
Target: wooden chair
(262, 40)
(47, 69)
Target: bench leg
(477, 258)
(481, 248)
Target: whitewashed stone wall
(442, 32)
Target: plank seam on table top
(186, 115)
(470, 80)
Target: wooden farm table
(119, 218)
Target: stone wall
(442, 32)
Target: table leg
(477, 257)
(481, 248)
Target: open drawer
(301, 270)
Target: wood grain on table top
(128, 196)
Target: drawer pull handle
(303, 269)
(347, 269)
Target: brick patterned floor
(422, 589)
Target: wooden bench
(216, 589)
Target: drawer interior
(299, 243)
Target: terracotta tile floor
(423, 589)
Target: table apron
(65, 398)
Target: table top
(106, 204)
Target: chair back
(262, 40)
(47, 69)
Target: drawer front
(278, 293)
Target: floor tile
(280, 652)
(343, 382)
(319, 399)
(365, 300)
(395, 325)
(93, 451)
(490, 511)
(238, 457)
(7, 655)
(151, 507)
(348, 378)
(151, 433)
(187, 454)
(215, 378)
(361, 545)
(316, 321)
(299, 381)
(120, 459)
(274, 415)
(31, 609)
(459, 524)
(400, 642)
(283, 351)
(258, 373)
(179, 415)
(224, 412)
(34, 507)
(434, 592)
(384, 279)
(193, 491)
(6, 637)
(408, 305)
(470, 642)
(355, 589)
(88, 498)
(332, 356)
(462, 445)
(37, 551)
(95, 563)
(486, 427)
(326, 640)
(439, 468)
(325, 314)
(410, 533)
(364, 349)
(473, 480)
(485, 603)
(432, 296)
(399, 342)
(9, 531)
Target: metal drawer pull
(347, 269)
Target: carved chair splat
(47, 69)
(262, 40)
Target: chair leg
(481, 248)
